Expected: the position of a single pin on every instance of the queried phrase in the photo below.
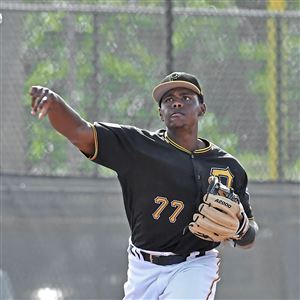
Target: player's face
(180, 107)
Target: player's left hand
(221, 216)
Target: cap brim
(162, 88)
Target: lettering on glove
(220, 216)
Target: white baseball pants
(195, 278)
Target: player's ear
(202, 109)
(160, 114)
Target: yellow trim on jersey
(92, 157)
(197, 151)
(176, 145)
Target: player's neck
(188, 140)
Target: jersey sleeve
(114, 146)
(241, 188)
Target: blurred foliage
(210, 128)
(94, 71)
(253, 162)
(289, 54)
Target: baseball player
(183, 195)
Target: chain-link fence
(105, 60)
(66, 238)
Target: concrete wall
(71, 234)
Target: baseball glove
(220, 216)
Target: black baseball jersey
(164, 183)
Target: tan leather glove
(220, 216)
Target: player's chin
(175, 126)
(175, 123)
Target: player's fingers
(43, 108)
(35, 92)
(41, 103)
(34, 104)
(37, 95)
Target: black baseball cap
(176, 80)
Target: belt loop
(151, 258)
